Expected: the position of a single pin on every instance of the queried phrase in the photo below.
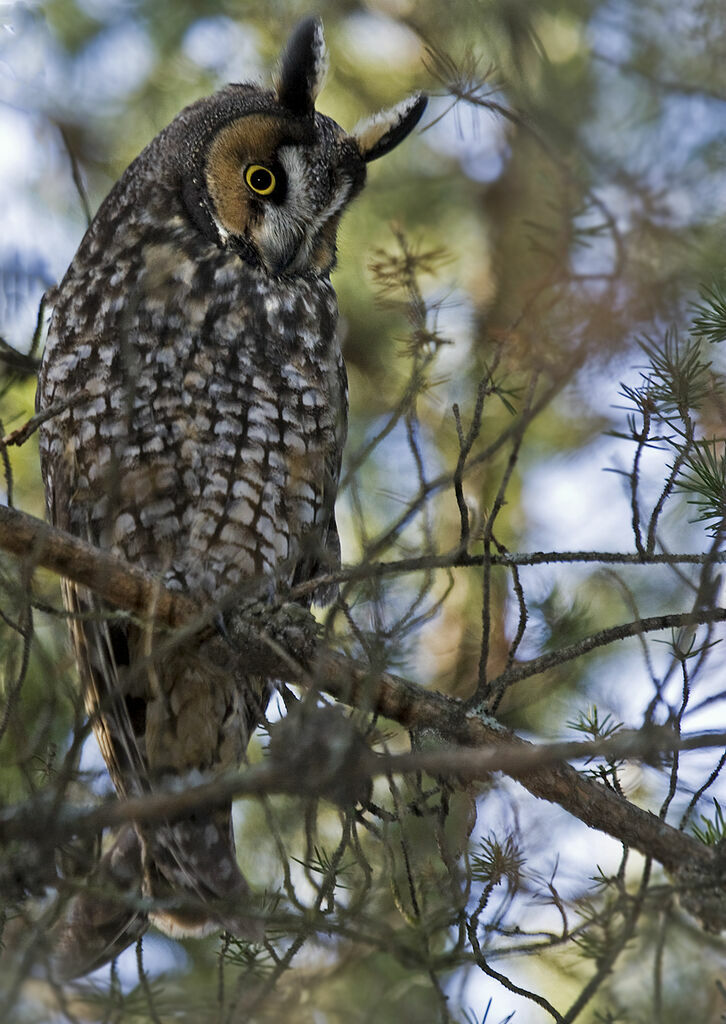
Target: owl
(193, 357)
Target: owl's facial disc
(281, 187)
(279, 180)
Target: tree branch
(39, 818)
(382, 693)
(110, 577)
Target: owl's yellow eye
(260, 179)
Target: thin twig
(77, 177)
(380, 692)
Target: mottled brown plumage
(199, 323)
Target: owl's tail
(191, 876)
(189, 873)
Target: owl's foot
(272, 636)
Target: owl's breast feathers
(208, 448)
(203, 443)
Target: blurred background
(564, 199)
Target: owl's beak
(284, 246)
(281, 262)
(279, 249)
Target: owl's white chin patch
(278, 242)
(285, 241)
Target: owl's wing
(101, 921)
(101, 644)
(322, 554)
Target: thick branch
(113, 579)
(591, 802)
(395, 698)
(45, 818)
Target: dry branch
(113, 579)
(396, 698)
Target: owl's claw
(270, 636)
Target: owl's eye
(260, 179)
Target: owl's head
(265, 175)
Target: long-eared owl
(193, 356)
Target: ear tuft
(303, 66)
(379, 134)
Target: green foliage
(709, 321)
(606, 925)
(251, 958)
(496, 861)
(704, 479)
(562, 619)
(675, 383)
(677, 379)
(713, 830)
(591, 725)
(324, 863)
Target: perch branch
(495, 747)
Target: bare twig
(76, 173)
(21, 434)
(379, 692)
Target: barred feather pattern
(202, 397)
(206, 448)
